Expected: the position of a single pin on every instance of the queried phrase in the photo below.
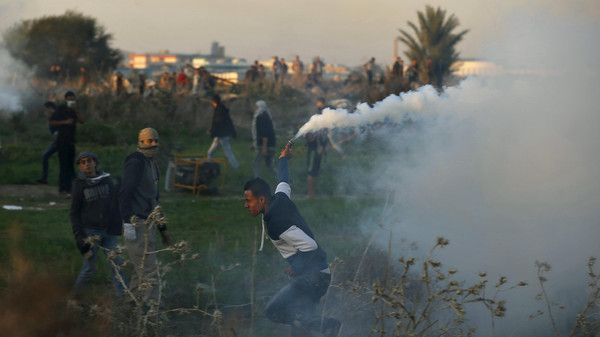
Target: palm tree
(433, 43)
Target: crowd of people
(102, 210)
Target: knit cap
(86, 154)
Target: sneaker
(41, 181)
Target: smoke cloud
(505, 167)
(10, 101)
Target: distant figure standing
(261, 72)
(119, 84)
(276, 68)
(369, 68)
(263, 138)
(398, 69)
(196, 82)
(142, 84)
(49, 110)
(298, 70)
(316, 71)
(221, 130)
(65, 119)
(163, 84)
(283, 70)
(413, 75)
(182, 81)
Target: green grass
(217, 227)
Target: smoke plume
(505, 167)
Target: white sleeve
(285, 188)
(299, 239)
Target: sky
(339, 31)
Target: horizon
(339, 32)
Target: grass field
(36, 243)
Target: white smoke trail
(505, 167)
(394, 109)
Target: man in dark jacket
(65, 119)
(221, 130)
(263, 138)
(95, 222)
(138, 198)
(309, 273)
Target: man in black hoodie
(95, 222)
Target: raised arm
(283, 173)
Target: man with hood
(95, 222)
(138, 198)
(263, 138)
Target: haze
(340, 31)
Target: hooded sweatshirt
(93, 204)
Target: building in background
(154, 64)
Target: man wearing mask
(65, 120)
(138, 199)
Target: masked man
(138, 198)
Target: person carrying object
(95, 222)
(138, 199)
(294, 304)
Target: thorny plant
(433, 303)
(586, 323)
(143, 320)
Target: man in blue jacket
(309, 272)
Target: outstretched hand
(287, 151)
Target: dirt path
(29, 191)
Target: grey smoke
(507, 168)
(11, 76)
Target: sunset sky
(340, 31)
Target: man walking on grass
(309, 273)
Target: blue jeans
(297, 301)
(222, 142)
(108, 243)
(46, 156)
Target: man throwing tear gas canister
(309, 273)
(138, 199)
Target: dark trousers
(295, 303)
(66, 157)
(45, 157)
